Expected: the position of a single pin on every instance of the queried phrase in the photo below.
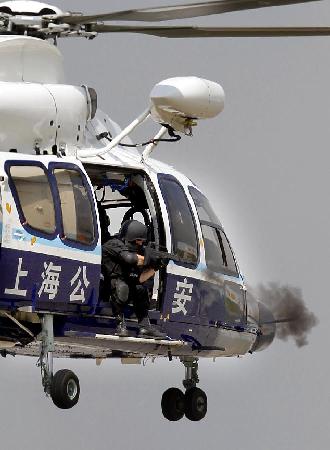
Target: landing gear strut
(192, 404)
(63, 387)
(191, 372)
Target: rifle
(157, 258)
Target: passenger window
(76, 206)
(183, 231)
(34, 196)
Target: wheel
(173, 404)
(65, 389)
(195, 404)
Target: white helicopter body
(63, 162)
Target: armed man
(125, 271)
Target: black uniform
(104, 224)
(121, 277)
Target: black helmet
(132, 230)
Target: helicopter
(66, 168)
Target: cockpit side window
(230, 263)
(218, 253)
(182, 224)
(213, 251)
(33, 196)
(76, 207)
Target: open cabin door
(50, 255)
(181, 297)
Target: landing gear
(173, 404)
(192, 404)
(45, 361)
(195, 404)
(191, 372)
(63, 387)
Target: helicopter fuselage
(61, 182)
(68, 174)
(51, 255)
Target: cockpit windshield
(219, 257)
(204, 209)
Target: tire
(195, 404)
(65, 389)
(173, 404)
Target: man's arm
(146, 274)
(140, 260)
(135, 259)
(131, 258)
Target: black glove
(149, 259)
(159, 264)
(152, 260)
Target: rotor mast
(32, 65)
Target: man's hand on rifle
(154, 259)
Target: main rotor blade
(176, 11)
(197, 32)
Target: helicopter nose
(267, 327)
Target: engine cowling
(29, 59)
(43, 115)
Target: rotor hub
(28, 8)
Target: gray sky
(264, 164)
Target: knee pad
(122, 291)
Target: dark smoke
(286, 302)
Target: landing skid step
(138, 340)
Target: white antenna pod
(179, 101)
